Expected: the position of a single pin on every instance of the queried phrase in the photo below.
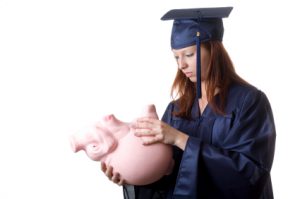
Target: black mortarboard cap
(196, 25)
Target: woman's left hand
(153, 130)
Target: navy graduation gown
(226, 156)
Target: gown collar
(207, 112)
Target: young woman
(221, 127)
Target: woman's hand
(153, 130)
(114, 177)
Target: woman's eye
(176, 57)
(190, 55)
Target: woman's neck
(203, 91)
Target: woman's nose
(182, 64)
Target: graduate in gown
(221, 127)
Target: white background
(66, 63)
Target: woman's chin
(193, 79)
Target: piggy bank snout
(75, 146)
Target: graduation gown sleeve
(236, 162)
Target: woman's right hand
(114, 177)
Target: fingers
(146, 119)
(152, 140)
(143, 127)
(150, 130)
(114, 177)
(146, 126)
(121, 182)
(143, 123)
(103, 167)
(109, 172)
(143, 132)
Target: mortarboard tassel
(198, 43)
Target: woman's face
(186, 61)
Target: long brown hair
(221, 75)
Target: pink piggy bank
(113, 142)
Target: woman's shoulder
(241, 90)
(242, 94)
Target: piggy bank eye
(94, 146)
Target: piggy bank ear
(118, 128)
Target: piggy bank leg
(150, 111)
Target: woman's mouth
(188, 74)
